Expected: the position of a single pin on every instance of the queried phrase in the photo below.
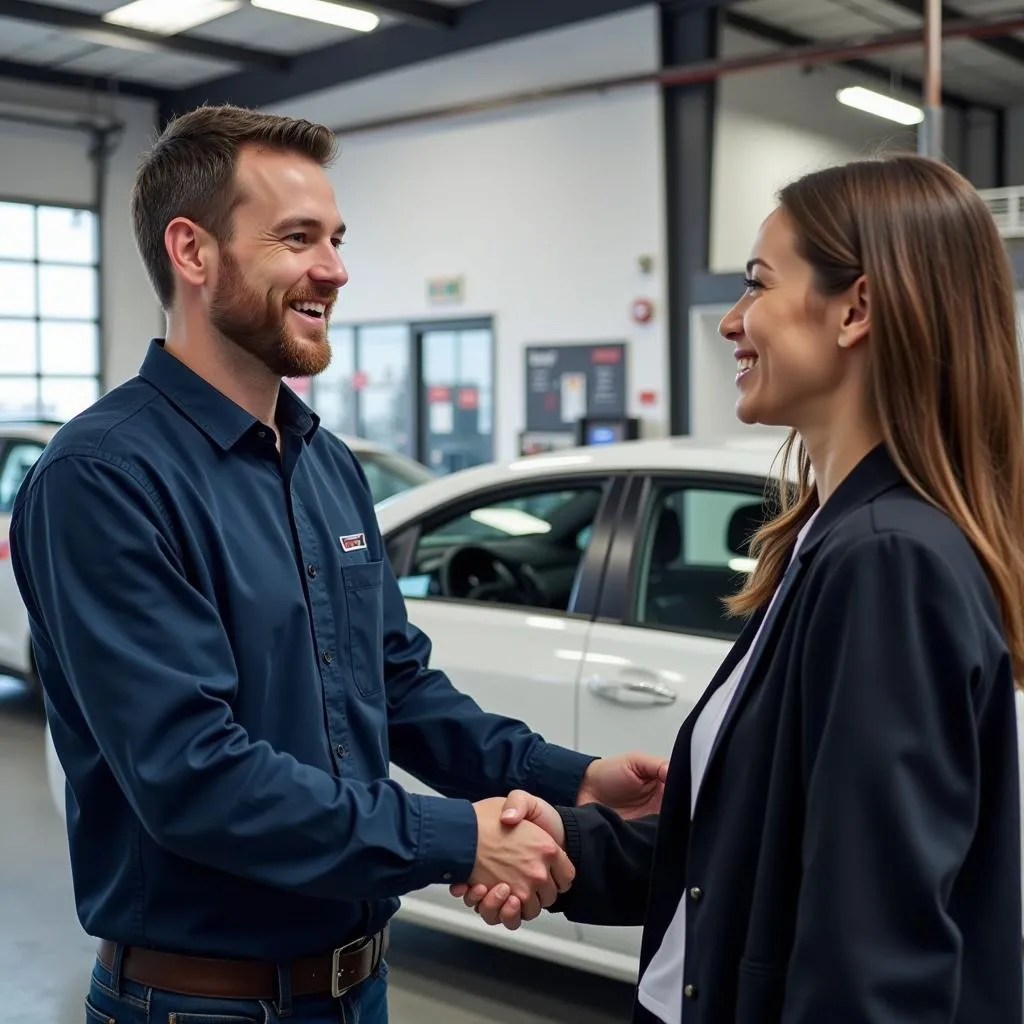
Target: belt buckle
(337, 991)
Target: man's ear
(856, 323)
(192, 251)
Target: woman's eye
(752, 284)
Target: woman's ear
(856, 315)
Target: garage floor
(47, 958)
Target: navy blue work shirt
(230, 670)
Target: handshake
(521, 865)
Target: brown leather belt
(335, 972)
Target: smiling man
(225, 652)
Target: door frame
(618, 592)
(417, 329)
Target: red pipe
(825, 52)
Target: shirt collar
(221, 419)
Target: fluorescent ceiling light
(880, 105)
(167, 18)
(323, 10)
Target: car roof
(35, 430)
(752, 456)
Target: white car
(581, 592)
(21, 443)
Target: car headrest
(668, 538)
(743, 524)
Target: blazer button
(696, 894)
(690, 991)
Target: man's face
(278, 278)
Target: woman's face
(792, 344)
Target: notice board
(567, 382)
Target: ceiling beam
(1006, 46)
(479, 24)
(75, 80)
(784, 37)
(416, 12)
(95, 29)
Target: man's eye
(298, 238)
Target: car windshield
(390, 474)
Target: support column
(929, 136)
(689, 114)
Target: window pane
(20, 459)
(333, 394)
(17, 289)
(688, 563)
(17, 231)
(67, 293)
(69, 348)
(67, 236)
(64, 398)
(18, 346)
(542, 536)
(18, 397)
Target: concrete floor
(46, 958)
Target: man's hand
(497, 904)
(517, 860)
(631, 784)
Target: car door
(516, 648)
(16, 458)
(661, 631)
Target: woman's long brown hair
(945, 362)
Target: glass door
(456, 395)
(383, 383)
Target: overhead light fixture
(323, 11)
(880, 105)
(166, 18)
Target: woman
(839, 837)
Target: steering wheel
(476, 573)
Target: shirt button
(696, 894)
(690, 991)
(328, 657)
(311, 571)
(340, 750)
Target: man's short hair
(190, 172)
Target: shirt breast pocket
(364, 605)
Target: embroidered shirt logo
(353, 542)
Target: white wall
(545, 208)
(40, 164)
(774, 125)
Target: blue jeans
(138, 1004)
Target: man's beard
(257, 325)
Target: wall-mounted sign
(446, 291)
(565, 383)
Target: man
(224, 649)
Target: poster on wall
(564, 383)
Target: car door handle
(632, 692)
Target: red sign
(439, 394)
(469, 398)
(5, 549)
(359, 380)
(606, 355)
(648, 397)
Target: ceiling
(258, 57)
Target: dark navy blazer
(854, 855)
(229, 670)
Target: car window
(20, 458)
(389, 474)
(523, 549)
(693, 554)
